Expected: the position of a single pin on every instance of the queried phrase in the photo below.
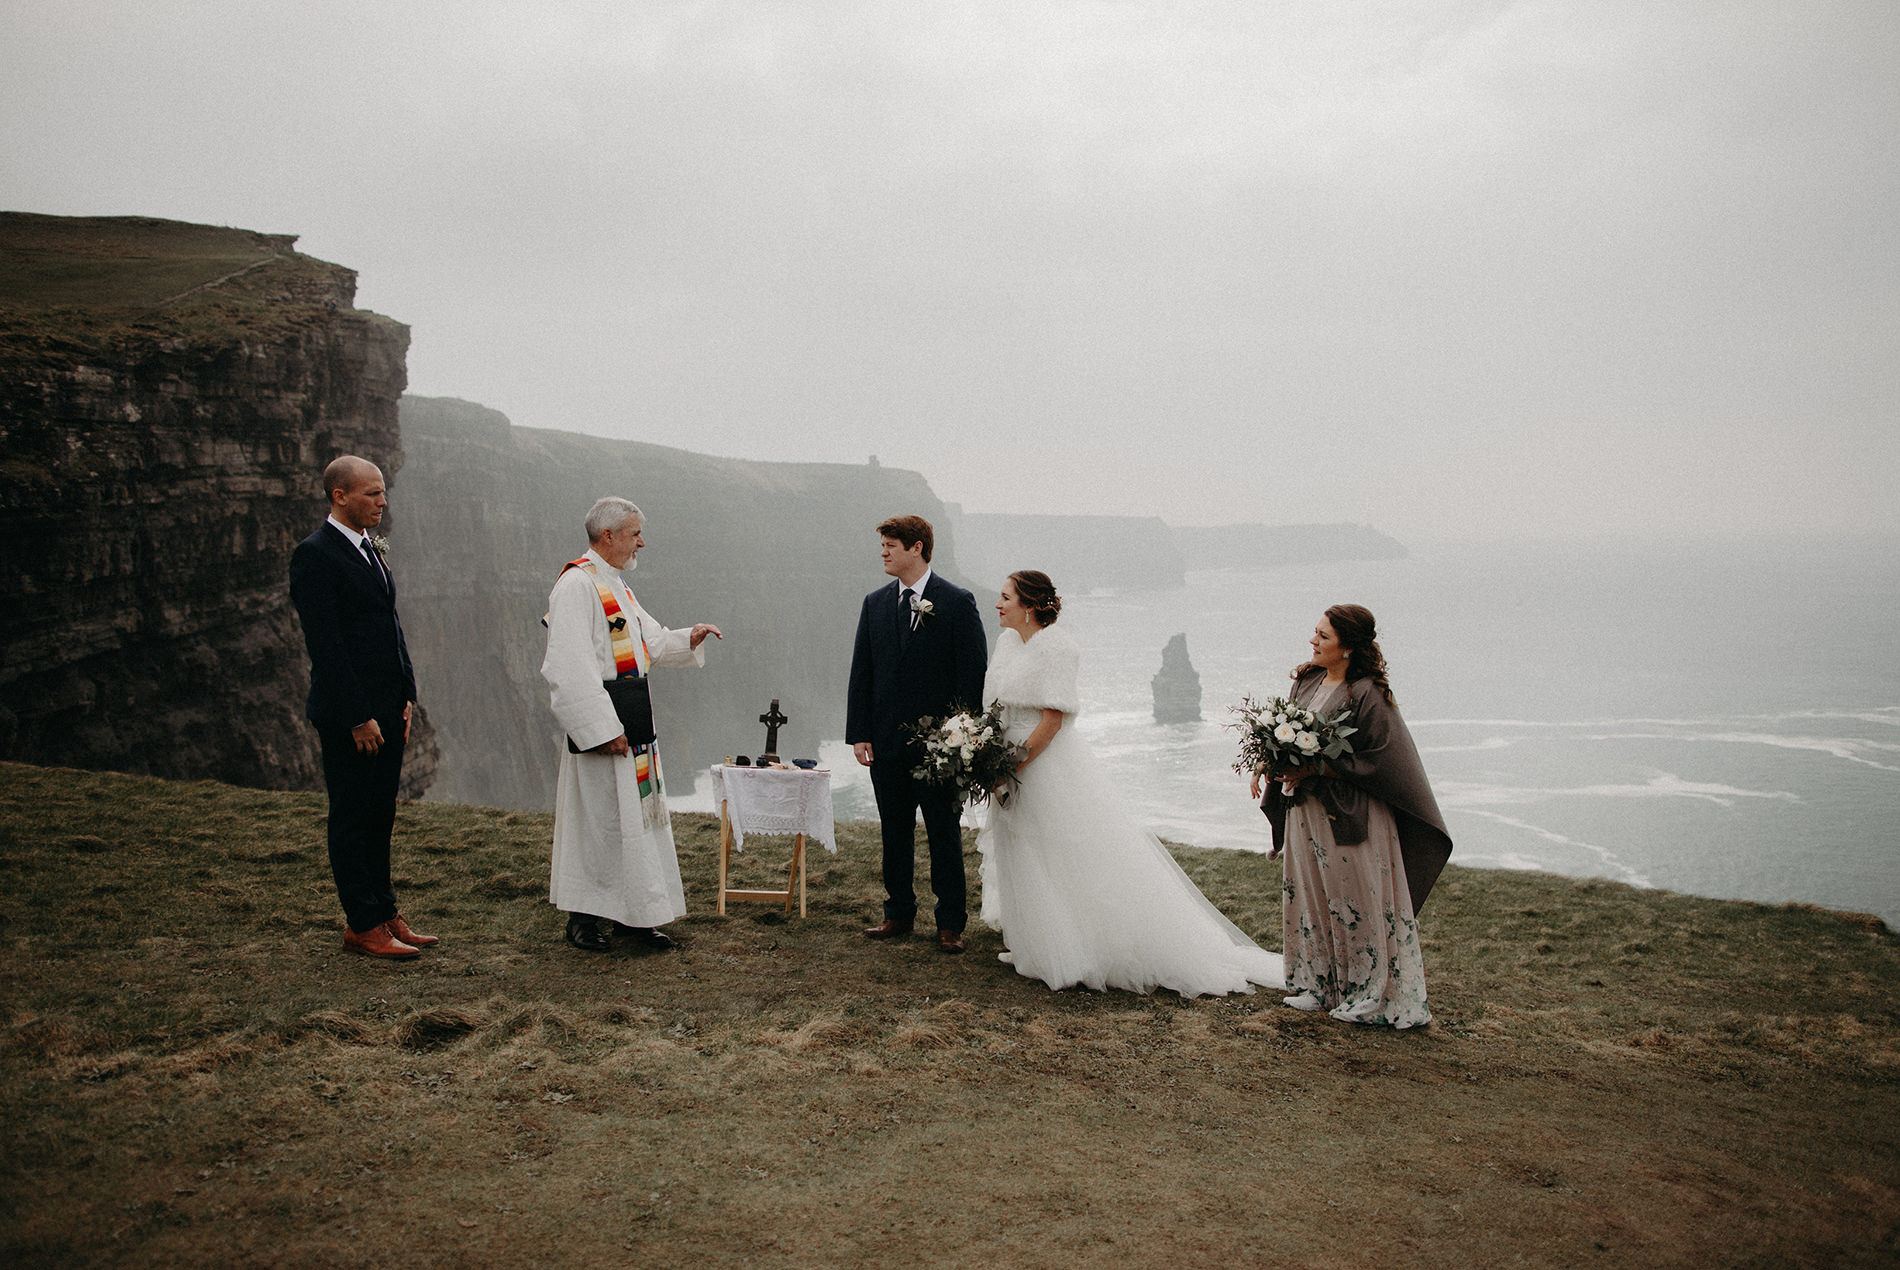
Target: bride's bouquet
(1280, 734)
(968, 751)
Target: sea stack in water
(1178, 686)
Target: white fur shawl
(1040, 673)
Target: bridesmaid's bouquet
(1281, 734)
(968, 751)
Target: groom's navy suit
(899, 675)
(359, 670)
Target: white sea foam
(1555, 723)
(1884, 716)
(1489, 743)
(1608, 857)
(1851, 749)
(1502, 860)
(1888, 716)
(1721, 730)
(1467, 795)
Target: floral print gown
(1351, 937)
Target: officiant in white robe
(614, 858)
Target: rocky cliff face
(169, 395)
(778, 555)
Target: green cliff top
(73, 285)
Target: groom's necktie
(907, 610)
(376, 563)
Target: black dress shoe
(585, 934)
(655, 939)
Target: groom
(920, 651)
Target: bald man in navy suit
(362, 698)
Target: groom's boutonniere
(923, 608)
(381, 544)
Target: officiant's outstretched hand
(614, 863)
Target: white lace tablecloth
(768, 800)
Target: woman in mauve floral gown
(1363, 840)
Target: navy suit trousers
(362, 813)
(899, 798)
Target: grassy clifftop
(78, 284)
(194, 1072)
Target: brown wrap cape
(1384, 764)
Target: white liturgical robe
(610, 860)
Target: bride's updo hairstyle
(1037, 593)
(1359, 635)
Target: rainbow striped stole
(631, 658)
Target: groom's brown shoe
(378, 942)
(889, 928)
(950, 941)
(415, 939)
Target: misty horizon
(1463, 267)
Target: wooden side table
(771, 800)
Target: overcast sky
(1464, 265)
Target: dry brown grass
(196, 1073)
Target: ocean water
(1715, 717)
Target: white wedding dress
(1081, 893)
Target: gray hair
(610, 513)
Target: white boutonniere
(381, 544)
(923, 608)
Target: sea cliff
(169, 394)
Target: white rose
(1284, 734)
(1308, 743)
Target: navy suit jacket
(359, 664)
(896, 680)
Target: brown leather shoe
(950, 941)
(889, 928)
(377, 941)
(400, 929)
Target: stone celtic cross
(773, 720)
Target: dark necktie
(376, 563)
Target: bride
(1080, 892)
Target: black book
(633, 704)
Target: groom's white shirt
(356, 536)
